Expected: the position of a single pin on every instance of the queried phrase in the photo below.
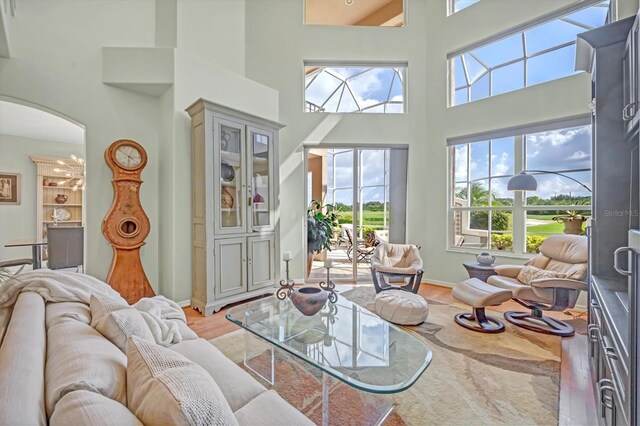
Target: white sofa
(56, 369)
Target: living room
(485, 112)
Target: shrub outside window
(485, 215)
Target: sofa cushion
(67, 311)
(164, 387)
(78, 357)
(90, 408)
(22, 360)
(269, 409)
(237, 386)
(519, 290)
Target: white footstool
(402, 307)
(479, 295)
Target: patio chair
(399, 264)
(357, 248)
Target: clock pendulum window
(126, 225)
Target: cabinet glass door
(229, 176)
(261, 184)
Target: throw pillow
(101, 306)
(117, 322)
(530, 273)
(165, 388)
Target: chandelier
(73, 172)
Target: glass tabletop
(344, 340)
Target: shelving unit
(46, 194)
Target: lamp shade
(522, 182)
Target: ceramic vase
(309, 299)
(485, 259)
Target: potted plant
(572, 220)
(321, 220)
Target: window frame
(451, 6)
(520, 209)
(401, 69)
(520, 30)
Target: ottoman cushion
(402, 307)
(480, 294)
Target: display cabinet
(235, 201)
(59, 193)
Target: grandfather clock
(126, 225)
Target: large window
(485, 215)
(354, 88)
(537, 54)
(458, 5)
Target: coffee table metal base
(254, 347)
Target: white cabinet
(235, 204)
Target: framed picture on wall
(9, 188)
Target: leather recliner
(566, 254)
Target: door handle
(626, 116)
(606, 385)
(616, 257)
(594, 333)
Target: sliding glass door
(357, 182)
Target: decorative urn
(309, 299)
(485, 259)
(61, 198)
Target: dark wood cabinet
(604, 52)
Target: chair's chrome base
(479, 321)
(535, 321)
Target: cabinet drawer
(616, 371)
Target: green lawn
(541, 216)
(371, 218)
(547, 228)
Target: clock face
(128, 157)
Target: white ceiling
(27, 122)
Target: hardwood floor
(577, 402)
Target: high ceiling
(27, 122)
(359, 12)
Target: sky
(557, 150)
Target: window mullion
(519, 223)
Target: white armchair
(396, 263)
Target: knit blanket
(163, 316)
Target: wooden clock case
(126, 226)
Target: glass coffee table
(344, 341)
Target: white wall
(277, 47)
(56, 62)
(19, 221)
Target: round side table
(476, 270)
